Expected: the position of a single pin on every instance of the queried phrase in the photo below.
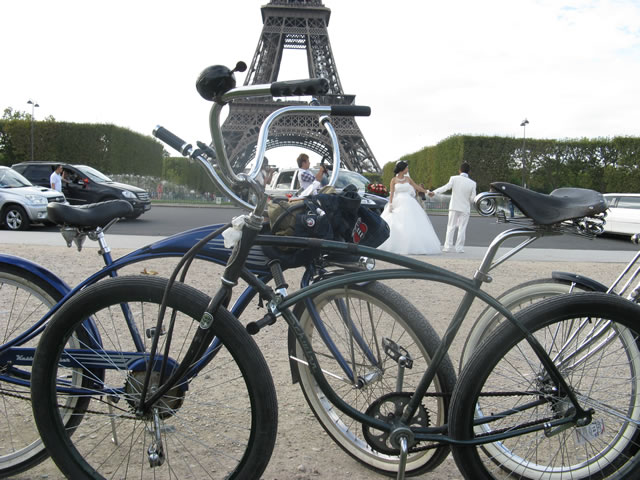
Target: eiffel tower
(295, 24)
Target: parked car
(22, 203)
(286, 183)
(623, 216)
(86, 185)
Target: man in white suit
(463, 192)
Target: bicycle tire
(398, 319)
(514, 300)
(220, 423)
(24, 299)
(603, 373)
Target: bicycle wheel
(514, 299)
(592, 339)
(219, 422)
(24, 299)
(382, 318)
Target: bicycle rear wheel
(24, 299)
(220, 422)
(593, 340)
(514, 300)
(380, 317)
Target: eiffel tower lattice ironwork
(295, 24)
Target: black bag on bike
(370, 228)
(329, 216)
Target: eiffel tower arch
(295, 24)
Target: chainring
(389, 409)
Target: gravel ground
(303, 451)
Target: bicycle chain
(493, 432)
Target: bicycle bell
(217, 80)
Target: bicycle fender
(19, 263)
(584, 282)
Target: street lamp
(33, 106)
(524, 124)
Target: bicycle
(41, 293)
(397, 424)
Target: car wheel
(15, 218)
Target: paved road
(167, 220)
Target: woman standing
(411, 231)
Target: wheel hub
(166, 406)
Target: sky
(428, 69)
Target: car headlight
(128, 194)
(367, 201)
(36, 199)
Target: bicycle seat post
(105, 250)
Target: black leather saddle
(560, 205)
(88, 216)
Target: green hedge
(602, 164)
(109, 148)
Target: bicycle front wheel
(24, 299)
(592, 338)
(369, 326)
(220, 421)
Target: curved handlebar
(224, 176)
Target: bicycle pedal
(397, 353)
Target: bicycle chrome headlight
(367, 263)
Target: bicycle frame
(174, 246)
(410, 269)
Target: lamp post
(524, 155)
(33, 107)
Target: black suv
(86, 185)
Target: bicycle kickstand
(404, 451)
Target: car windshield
(93, 174)
(346, 177)
(9, 178)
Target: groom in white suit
(463, 192)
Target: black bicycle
(550, 393)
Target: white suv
(21, 203)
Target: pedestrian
(463, 192)
(55, 180)
(306, 176)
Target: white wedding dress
(411, 229)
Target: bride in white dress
(411, 232)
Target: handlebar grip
(293, 88)
(351, 110)
(171, 139)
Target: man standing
(307, 178)
(463, 192)
(55, 180)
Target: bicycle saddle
(92, 215)
(560, 205)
